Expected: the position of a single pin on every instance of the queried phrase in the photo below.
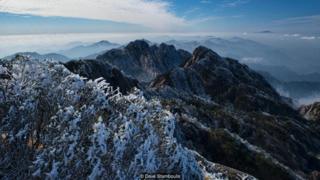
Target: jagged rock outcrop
(256, 143)
(143, 61)
(225, 81)
(311, 112)
(94, 69)
(231, 115)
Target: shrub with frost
(58, 125)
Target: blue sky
(91, 16)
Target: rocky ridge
(218, 101)
(223, 112)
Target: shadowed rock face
(201, 53)
(225, 81)
(94, 69)
(311, 112)
(247, 126)
(262, 145)
(144, 62)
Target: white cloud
(200, 20)
(205, 19)
(192, 10)
(309, 100)
(303, 24)
(251, 60)
(235, 3)
(308, 38)
(300, 20)
(292, 35)
(205, 1)
(154, 14)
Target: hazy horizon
(298, 46)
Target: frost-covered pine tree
(58, 125)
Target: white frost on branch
(60, 125)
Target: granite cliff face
(143, 61)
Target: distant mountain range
(285, 74)
(256, 55)
(35, 55)
(245, 50)
(161, 58)
(297, 90)
(265, 32)
(89, 51)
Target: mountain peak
(143, 61)
(89, 50)
(103, 42)
(200, 53)
(138, 44)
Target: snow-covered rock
(58, 125)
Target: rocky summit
(143, 61)
(198, 115)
